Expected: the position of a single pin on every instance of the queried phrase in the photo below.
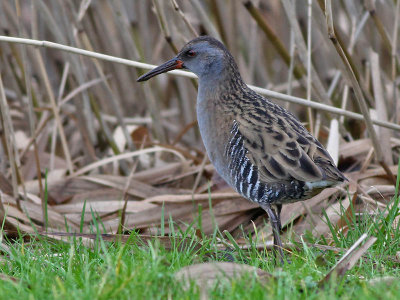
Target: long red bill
(172, 64)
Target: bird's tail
(331, 173)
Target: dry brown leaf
(382, 192)
(100, 194)
(84, 134)
(348, 214)
(191, 198)
(225, 222)
(5, 185)
(123, 156)
(378, 171)
(136, 188)
(206, 275)
(140, 135)
(34, 211)
(5, 277)
(349, 259)
(156, 175)
(388, 280)
(231, 206)
(55, 219)
(64, 190)
(334, 213)
(29, 168)
(292, 211)
(152, 217)
(189, 172)
(267, 245)
(355, 148)
(103, 207)
(167, 242)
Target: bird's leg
(278, 214)
(275, 220)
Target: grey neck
(224, 80)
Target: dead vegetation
(80, 139)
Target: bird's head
(204, 56)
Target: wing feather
(283, 150)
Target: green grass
(48, 269)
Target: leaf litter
(88, 153)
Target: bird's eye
(190, 53)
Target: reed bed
(82, 143)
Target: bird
(258, 147)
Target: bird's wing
(282, 149)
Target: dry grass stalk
(384, 135)
(316, 81)
(164, 25)
(6, 127)
(79, 118)
(349, 259)
(359, 95)
(207, 275)
(184, 18)
(309, 66)
(266, 92)
(298, 71)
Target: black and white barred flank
(245, 177)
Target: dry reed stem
(31, 116)
(358, 93)
(349, 259)
(205, 19)
(309, 66)
(322, 4)
(116, 105)
(113, 28)
(125, 155)
(164, 25)
(384, 134)
(263, 91)
(6, 123)
(188, 24)
(394, 55)
(125, 194)
(298, 71)
(294, 24)
(55, 110)
(291, 66)
(370, 6)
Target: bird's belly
(214, 138)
